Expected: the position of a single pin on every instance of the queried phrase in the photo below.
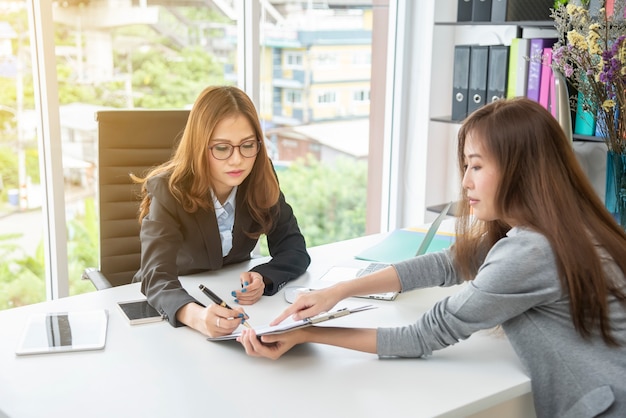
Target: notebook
(364, 265)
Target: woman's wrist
(306, 335)
(187, 314)
(342, 290)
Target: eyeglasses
(247, 149)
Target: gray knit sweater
(518, 287)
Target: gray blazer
(175, 242)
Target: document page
(289, 324)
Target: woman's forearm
(385, 280)
(360, 339)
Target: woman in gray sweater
(543, 257)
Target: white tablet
(57, 332)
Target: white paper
(289, 324)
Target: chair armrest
(97, 278)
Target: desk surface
(159, 371)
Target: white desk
(155, 370)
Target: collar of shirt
(220, 210)
(225, 215)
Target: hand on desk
(252, 287)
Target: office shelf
(577, 137)
(543, 24)
(447, 33)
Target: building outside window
(160, 55)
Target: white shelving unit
(443, 181)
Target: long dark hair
(543, 187)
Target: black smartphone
(139, 312)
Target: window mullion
(50, 157)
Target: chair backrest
(130, 141)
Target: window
(361, 96)
(21, 234)
(326, 139)
(293, 60)
(130, 65)
(327, 60)
(107, 55)
(363, 58)
(328, 97)
(293, 97)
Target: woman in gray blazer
(543, 257)
(207, 207)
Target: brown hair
(188, 170)
(543, 187)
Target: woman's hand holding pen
(213, 320)
(252, 287)
(222, 321)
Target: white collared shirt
(225, 215)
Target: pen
(216, 299)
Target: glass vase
(615, 197)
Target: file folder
(518, 67)
(609, 6)
(546, 78)
(498, 10)
(594, 7)
(464, 11)
(518, 10)
(481, 11)
(497, 72)
(537, 46)
(479, 59)
(460, 82)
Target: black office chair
(129, 141)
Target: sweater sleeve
(518, 274)
(429, 270)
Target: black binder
(497, 72)
(479, 59)
(498, 10)
(594, 7)
(481, 11)
(460, 82)
(518, 10)
(464, 11)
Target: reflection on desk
(155, 370)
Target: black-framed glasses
(247, 149)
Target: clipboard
(289, 325)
